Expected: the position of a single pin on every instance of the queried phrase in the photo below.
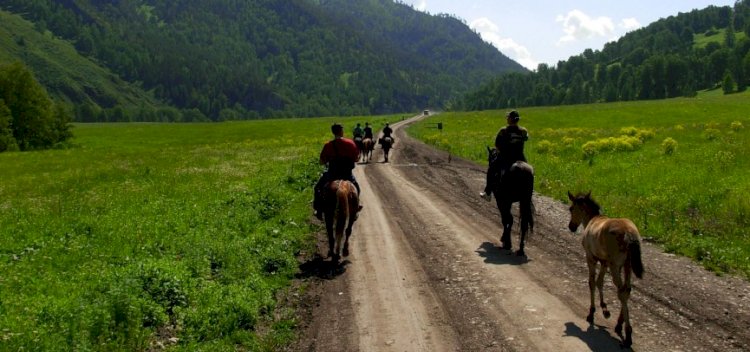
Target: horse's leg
(525, 210)
(623, 293)
(591, 262)
(345, 253)
(507, 219)
(329, 232)
(600, 286)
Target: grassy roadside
(151, 236)
(677, 167)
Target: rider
(368, 131)
(387, 131)
(509, 143)
(340, 155)
(358, 131)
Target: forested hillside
(675, 56)
(230, 59)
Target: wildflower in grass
(679, 128)
(736, 126)
(669, 146)
(545, 147)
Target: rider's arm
(325, 154)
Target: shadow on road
(321, 268)
(495, 255)
(595, 336)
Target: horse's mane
(589, 202)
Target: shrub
(669, 146)
(711, 134)
(545, 147)
(736, 126)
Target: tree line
(662, 60)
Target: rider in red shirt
(340, 155)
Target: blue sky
(547, 31)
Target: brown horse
(386, 143)
(616, 244)
(341, 207)
(367, 146)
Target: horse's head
(582, 209)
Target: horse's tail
(634, 255)
(342, 208)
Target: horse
(386, 143)
(616, 244)
(358, 142)
(517, 185)
(367, 146)
(341, 205)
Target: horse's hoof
(520, 253)
(330, 254)
(606, 314)
(590, 319)
(618, 330)
(345, 252)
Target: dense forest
(675, 56)
(230, 59)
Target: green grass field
(678, 168)
(142, 235)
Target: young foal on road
(616, 244)
(341, 208)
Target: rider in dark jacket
(368, 131)
(509, 143)
(388, 132)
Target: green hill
(264, 58)
(66, 74)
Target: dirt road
(425, 274)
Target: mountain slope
(65, 74)
(233, 59)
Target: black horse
(386, 143)
(515, 185)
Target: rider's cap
(513, 115)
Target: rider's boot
(317, 205)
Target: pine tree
(36, 122)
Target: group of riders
(341, 155)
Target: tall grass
(677, 167)
(143, 236)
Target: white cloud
(422, 5)
(629, 24)
(490, 32)
(578, 26)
